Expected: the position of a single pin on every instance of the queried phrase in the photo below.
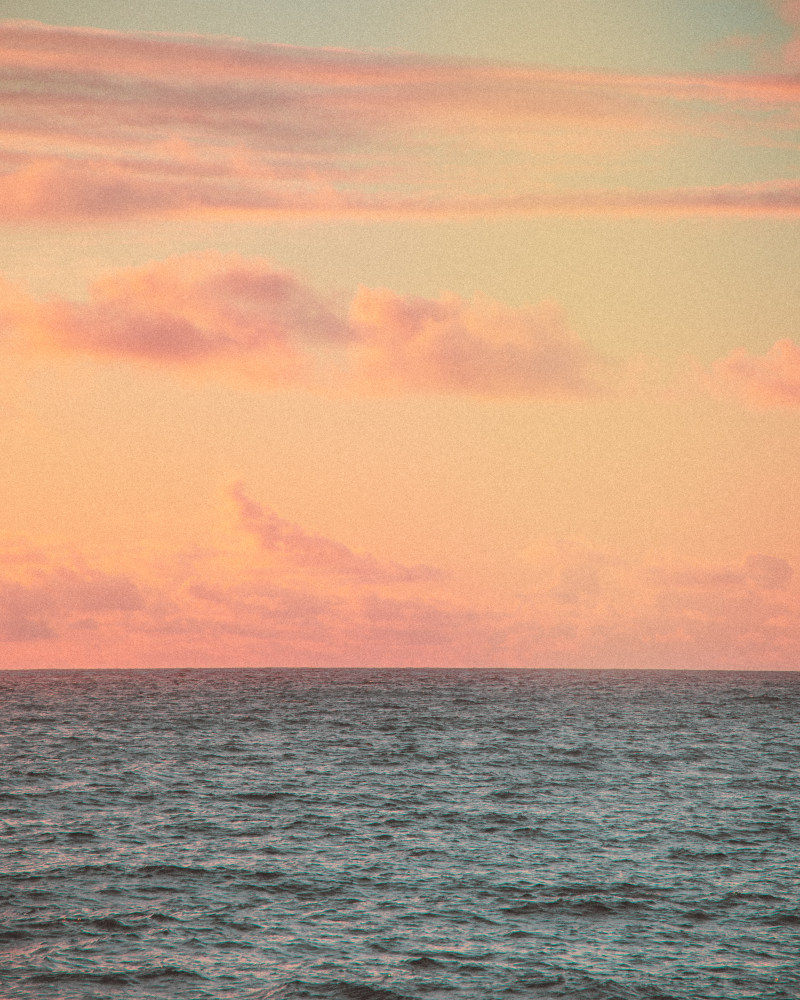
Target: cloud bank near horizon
(300, 599)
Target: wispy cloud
(318, 554)
(100, 125)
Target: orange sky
(322, 347)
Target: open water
(375, 835)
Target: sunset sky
(372, 333)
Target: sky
(400, 334)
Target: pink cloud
(758, 571)
(104, 125)
(701, 617)
(270, 603)
(223, 313)
(51, 599)
(742, 615)
(772, 198)
(769, 572)
(715, 579)
(195, 310)
(721, 615)
(14, 309)
(582, 577)
(784, 54)
(479, 347)
(283, 603)
(789, 12)
(96, 191)
(771, 379)
(317, 553)
(227, 315)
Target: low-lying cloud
(53, 598)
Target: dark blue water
(370, 835)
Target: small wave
(424, 962)
(299, 989)
(583, 987)
(53, 924)
(99, 978)
(527, 832)
(738, 898)
(537, 982)
(578, 908)
(784, 919)
(59, 872)
(499, 819)
(260, 796)
(109, 924)
(628, 890)
(685, 854)
(166, 972)
(115, 978)
(14, 934)
(177, 871)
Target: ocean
(380, 835)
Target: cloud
(769, 572)
(318, 554)
(52, 598)
(195, 310)
(479, 347)
(283, 603)
(690, 615)
(772, 379)
(224, 313)
(789, 12)
(605, 610)
(102, 125)
(268, 602)
(773, 198)
(96, 191)
(581, 575)
(706, 579)
(758, 570)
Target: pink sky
(368, 355)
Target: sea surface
(379, 835)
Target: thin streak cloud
(100, 125)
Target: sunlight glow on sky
(385, 334)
